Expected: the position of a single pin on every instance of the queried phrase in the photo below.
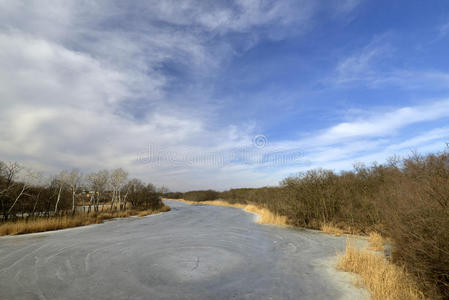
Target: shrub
(201, 195)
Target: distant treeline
(407, 200)
(27, 194)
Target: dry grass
(147, 212)
(265, 216)
(331, 229)
(376, 241)
(46, 224)
(41, 224)
(384, 280)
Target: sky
(221, 94)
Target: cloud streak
(92, 84)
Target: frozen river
(191, 252)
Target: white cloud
(364, 63)
(388, 123)
(73, 75)
(374, 138)
(443, 30)
(348, 5)
(372, 66)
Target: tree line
(24, 193)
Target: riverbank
(41, 224)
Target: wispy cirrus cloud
(93, 84)
(364, 64)
(387, 123)
(376, 137)
(443, 30)
(90, 84)
(376, 65)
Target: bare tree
(41, 181)
(98, 182)
(14, 182)
(8, 174)
(162, 190)
(143, 196)
(73, 180)
(118, 179)
(61, 182)
(90, 185)
(131, 187)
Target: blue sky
(221, 94)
